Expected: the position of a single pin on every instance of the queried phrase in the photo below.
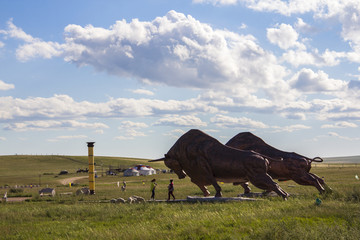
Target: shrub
(16, 190)
(354, 195)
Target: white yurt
(145, 171)
(131, 172)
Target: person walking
(152, 189)
(171, 190)
(123, 188)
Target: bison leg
(203, 189)
(322, 183)
(218, 189)
(265, 182)
(246, 187)
(308, 179)
(213, 182)
(206, 171)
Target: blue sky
(133, 76)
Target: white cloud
(231, 122)
(130, 124)
(243, 26)
(291, 128)
(58, 111)
(308, 81)
(51, 124)
(64, 107)
(176, 133)
(334, 134)
(129, 134)
(33, 47)
(300, 57)
(346, 12)
(2, 44)
(302, 26)
(335, 109)
(72, 137)
(41, 49)
(69, 137)
(342, 124)
(6, 86)
(194, 54)
(296, 115)
(180, 121)
(131, 130)
(283, 7)
(284, 36)
(143, 92)
(99, 131)
(15, 32)
(217, 2)
(2, 138)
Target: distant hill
(27, 169)
(349, 159)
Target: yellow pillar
(91, 167)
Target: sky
(133, 76)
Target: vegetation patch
(71, 216)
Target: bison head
(173, 164)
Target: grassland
(90, 217)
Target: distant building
(145, 170)
(47, 192)
(131, 172)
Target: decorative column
(91, 167)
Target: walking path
(71, 180)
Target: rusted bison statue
(293, 167)
(205, 160)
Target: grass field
(93, 217)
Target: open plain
(71, 216)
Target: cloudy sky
(135, 75)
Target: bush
(354, 195)
(16, 190)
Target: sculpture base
(258, 194)
(218, 199)
(208, 199)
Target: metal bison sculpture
(293, 167)
(205, 160)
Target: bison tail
(157, 160)
(316, 159)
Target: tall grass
(94, 217)
(277, 219)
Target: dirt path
(71, 180)
(17, 199)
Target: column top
(90, 144)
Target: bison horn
(317, 159)
(157, 160)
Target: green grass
(93, 217)
(276, 219)
(33, 169)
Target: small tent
(47, 191)
(146, 170)
(131, 172)
(85, 191)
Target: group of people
(170, 189)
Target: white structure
(131, 172)
(145, 170)
(84, 190)
(47, 192)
